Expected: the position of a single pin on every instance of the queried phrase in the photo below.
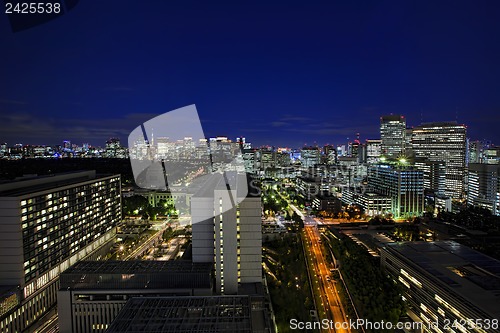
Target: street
(328, 291)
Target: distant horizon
(253, 140)
(294, 75)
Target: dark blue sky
(277, 72)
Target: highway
(328, 291)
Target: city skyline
(283, 76)
(259, 166)
(348, 140)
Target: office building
(404, 185)
(48, 224)
(442, 203)
(216, 314)
(228, 234)
(484, 186)
(434, 175)
(3, 149)
(354, 148)
(393, 135)
(372, 204)
(474, 151)
(444, 142)
(283, 159)
(350, 172)
(491, 155)
(373, 151)
(329, 154)
(267, 159)
(92, 293)
(310, 156)
(446, 283)
(249, 160)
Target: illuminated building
(226, 234)
(3, 149)
(446, 283)
(373, 204)
(393, 135)
(249, 160)
(48, 224)
(114, 149)
(283, 159)
(267, 159)
(330, 154)
(403, 184)
(373, 151)
(443, 142)
(434, 175)
(309, 156)
(484, 186)
(491, 155)
(67, 144)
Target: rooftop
(27, 185)
(212, 314)
(233, 180)
(137, 274)
(466, 272)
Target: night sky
(282, 73)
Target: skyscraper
(445, 141)
(404, 185)
(393, 135)
(310, 156)
(373, 150)
(484, 186)
(226, 234)
(48, 224)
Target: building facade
(227, 234)
(92, 293)
(310, 156)
(403, 185)
(444, 142)
(373, 204)
(373, 151)
(393, 135)
(446, 284)
(48, 224)
(484, 186)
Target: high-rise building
(67, 144)
(341, 150)
(48, 224)
(330, 154)
(484, 186)
(373, 151)
(393, 135)
(444, 142)
(267, 159)
(354, 148)
(249, 160)
(445, 283)
(227, 234)
(491, 155)
(3, 149)
(434, 175)
(310, 156)
(403, 184)
(114, 149)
